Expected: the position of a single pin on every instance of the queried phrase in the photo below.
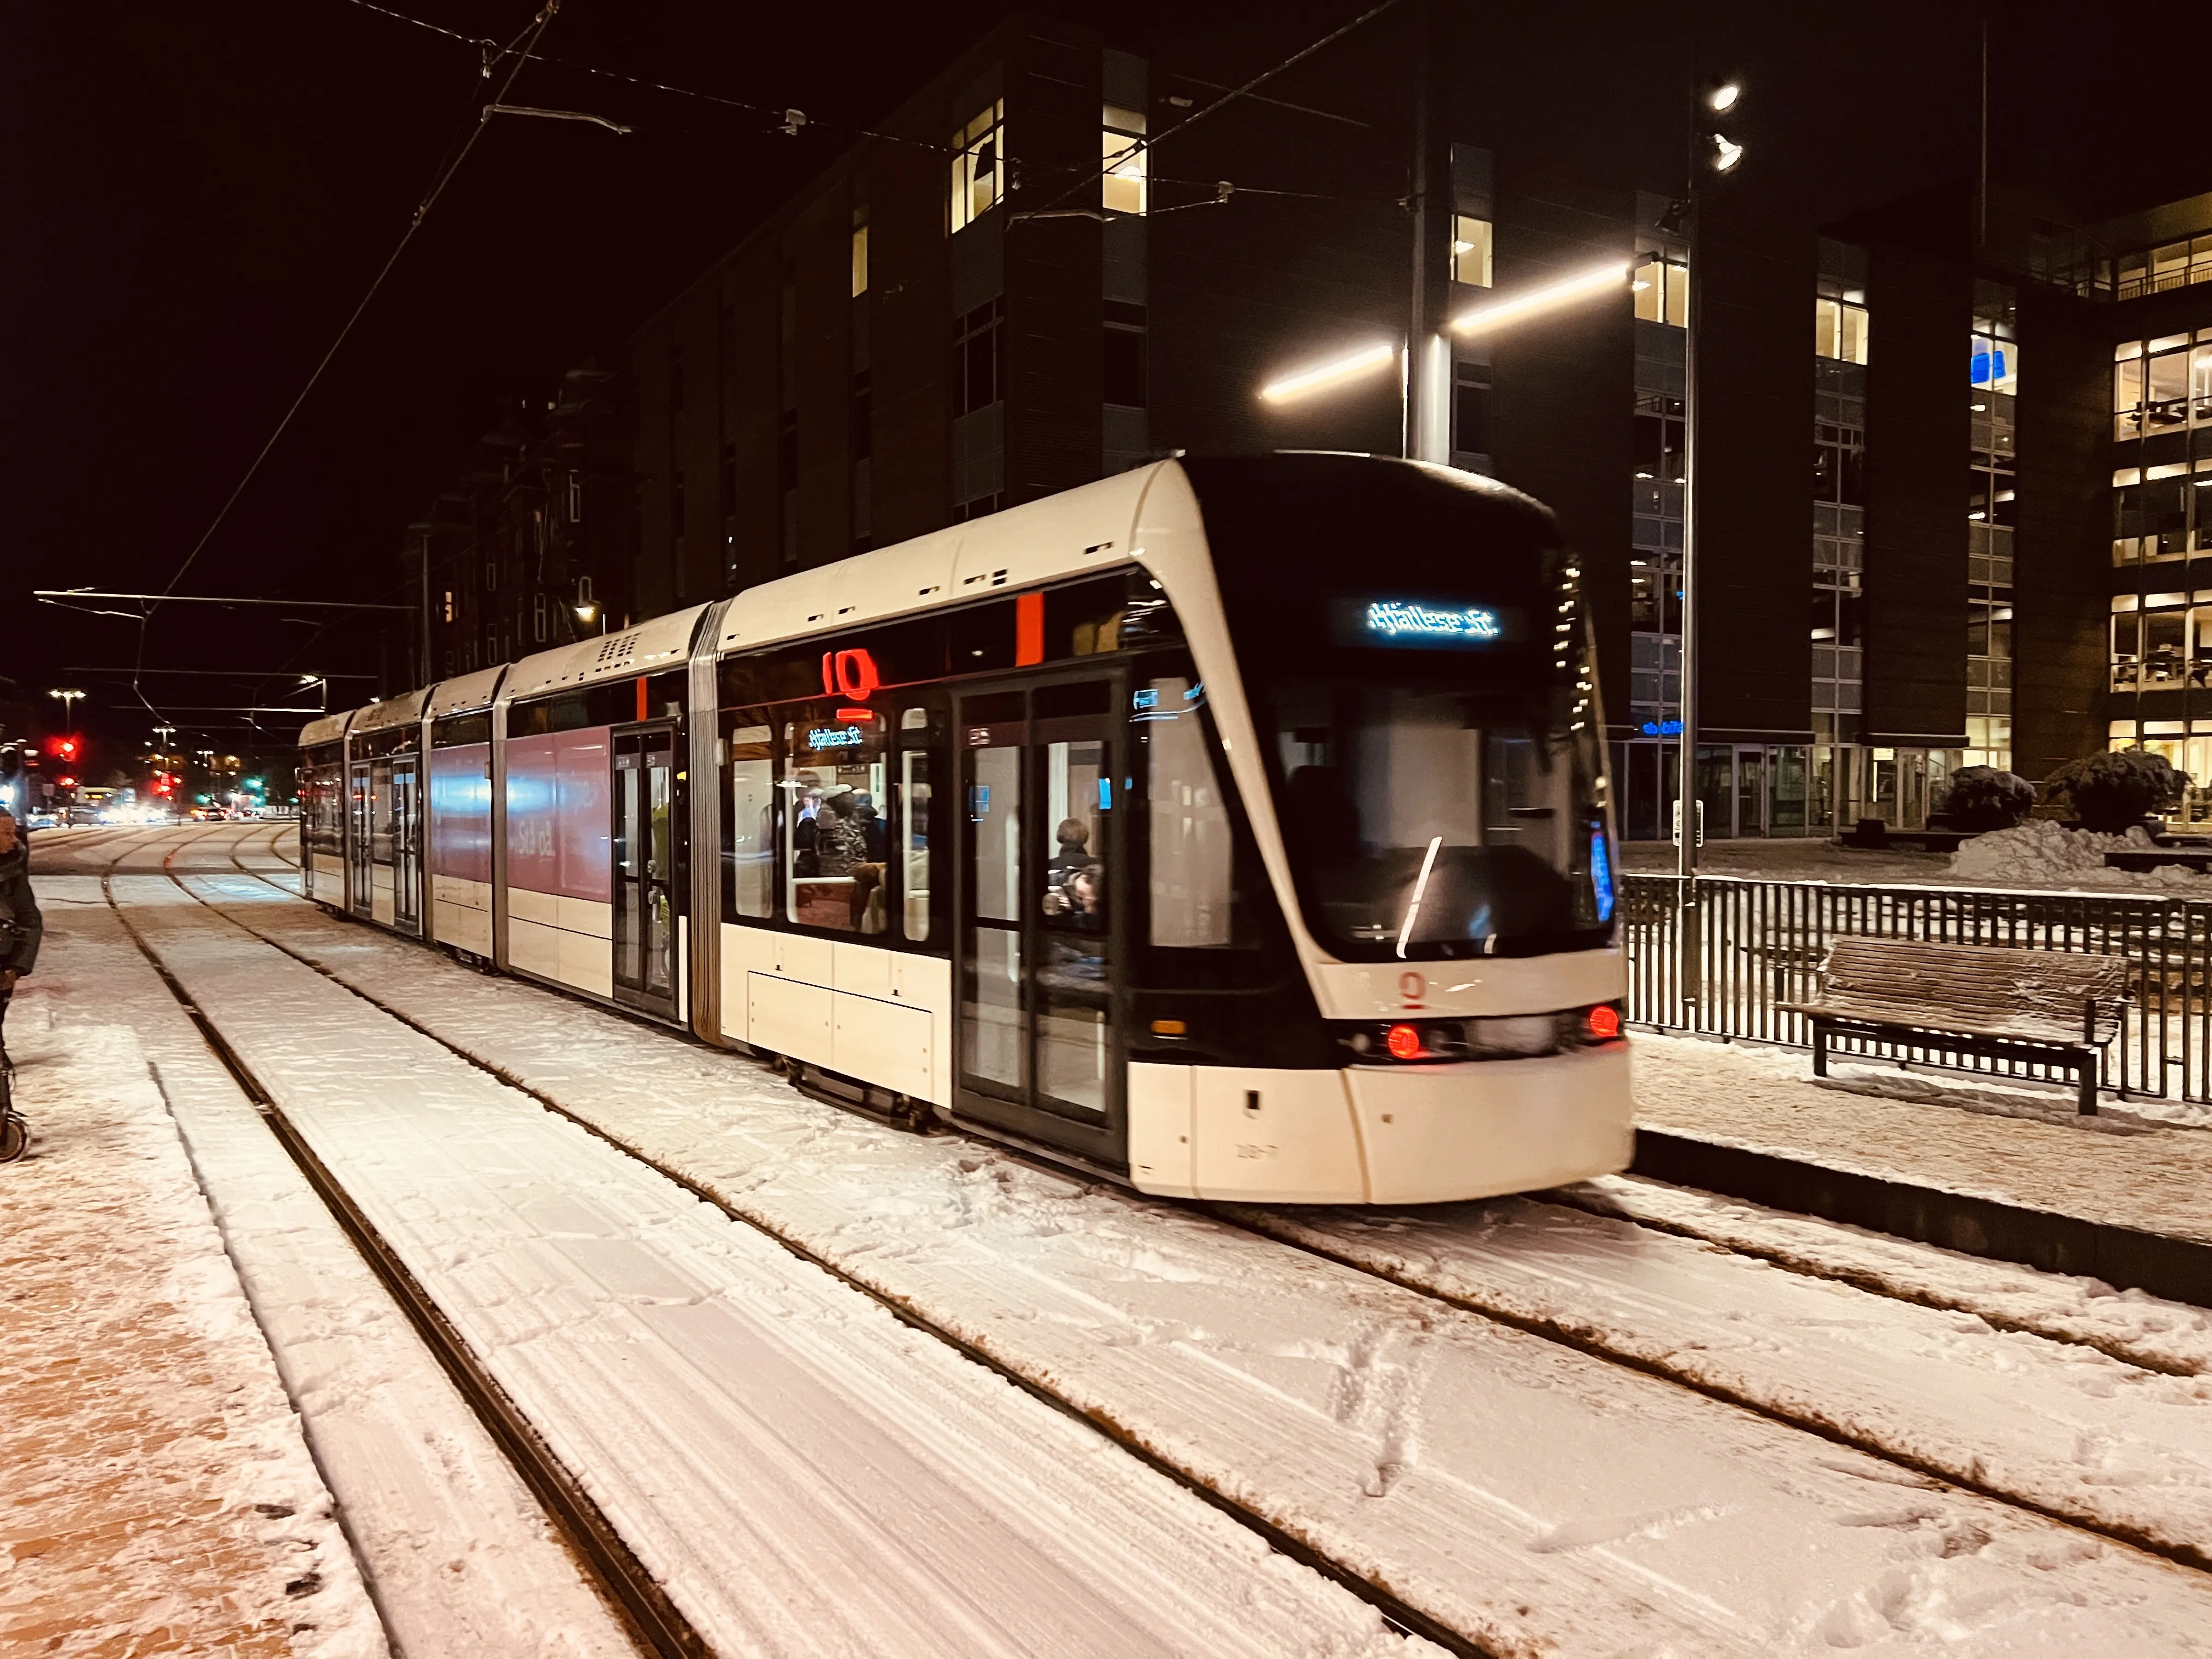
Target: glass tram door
(644, 851)
(407, 845)
(361, 872)
(1039, 1051)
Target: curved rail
(652, 1620)
(1580, 1339)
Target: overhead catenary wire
(1144, 146)
(448, 165)
(782, 116)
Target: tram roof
(406, 710)
(1086, 528)
(329, 729)
(657, 643)
(469, 691)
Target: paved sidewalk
(158, 1498)
(1991, 1156)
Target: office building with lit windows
(1072, 251)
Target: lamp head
(1722, 97)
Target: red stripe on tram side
(1029, 629)
(642, 704)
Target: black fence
(1760, 945)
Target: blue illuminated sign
(1411, 621)
(1601, 875)
(833, 736)
(1988, 366)
(1662, 728)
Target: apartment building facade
(1073, 251)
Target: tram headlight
(1601, 1023)
(1404, 1042)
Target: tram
(1237, 828)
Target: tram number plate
(1255, 1149)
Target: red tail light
(1404, 1042)
(1603, 1022)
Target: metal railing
(1761, 943)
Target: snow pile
(2040, 853)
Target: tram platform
(1995, 1168)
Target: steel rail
(1395, 1610)
(651, 1618)
(1580, 1339)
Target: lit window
(1470, 250)
(859, 258)
(1993, 365)
(1839, 330)
(1122, 189)
(1662, 285)
(979, 165)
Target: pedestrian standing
(21, 925)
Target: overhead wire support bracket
(491, 110)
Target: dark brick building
(533, 546)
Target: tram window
(914, 838)
(1192, 861)
(833, 851)
(750, 861)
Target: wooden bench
(2052, 1007)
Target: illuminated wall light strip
(1573, 288)
(1328, 374)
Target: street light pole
(1714, 150)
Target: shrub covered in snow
(2109, 792)
(1985, 798)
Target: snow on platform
(1995, 1140)
(805, 1474)
(459, 1557)
(1532, 1498)
(157, 1495)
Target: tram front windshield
(1414, 654)
(1426, 821)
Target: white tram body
(1237, 828)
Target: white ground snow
(1530, 1496)
(2130, 1325)
(1944, 1131)
(805, 1474)
(2039, 855)
(458, 1555)
(2066, 1428)
(158, 1496)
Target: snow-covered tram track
(1114, 1566)
(1510, 1263)
(651, 1618)
(1393, 1608)
(1729, 1602)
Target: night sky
(198, 195)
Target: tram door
(361, 877)
(644, 848)
(407, 845)
(1038, 1051)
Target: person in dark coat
(21, 925)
